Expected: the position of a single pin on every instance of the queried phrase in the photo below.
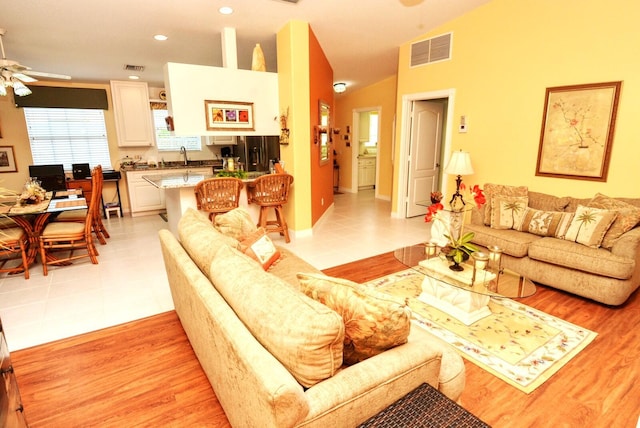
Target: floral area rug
(519, 344)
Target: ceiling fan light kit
(13, 74)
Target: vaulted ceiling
(93, 41)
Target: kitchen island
(179, 194)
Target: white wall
(188, 86)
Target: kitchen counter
(173, 165)
(179, 194)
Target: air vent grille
(130, 67)
(431, 50)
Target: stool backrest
(218, 194)
(270, 189)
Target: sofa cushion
(627, 218)
(236, 223)
(545, 223)
(374, 322)
(200, 239)
(507, 211)
(304, 335)
(491, 190)
(259, 247)
(289, 265)
(568, 254)
(589, 225)
(512, 242)
(545, 202)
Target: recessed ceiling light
(160, 37)
(225, 10)
(133, 77)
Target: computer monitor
(51, 177)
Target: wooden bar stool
(218, 195)
(271, 191)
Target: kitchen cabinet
(366, 173)
(220, 140)
(11, 410)
(147, 199)
(134, 127)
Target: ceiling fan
(14, 74)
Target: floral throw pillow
(589, 225)
(374, 321)
(507, 211)
(628, 217)
(236, 223)
(545, 223)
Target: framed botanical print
(577, 131)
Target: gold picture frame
(8, 159)
(577, 131)
(229, 115)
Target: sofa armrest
(362, 390)
(628, 245)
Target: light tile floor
(129, 282)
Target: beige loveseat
(272, 354)
(607, 272)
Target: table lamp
(459, 164)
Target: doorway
(425, 138)
(365, 160)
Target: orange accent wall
(320, 88)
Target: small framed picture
(7, 159)
(228, 115)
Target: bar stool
(218, 195)
(271, 191)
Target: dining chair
(78, 216)
(70, 236)
(14, 242)
(218, 195)
(271, 191)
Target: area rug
(519, 344)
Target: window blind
(67, 136)
(167, 142)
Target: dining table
(33, 218)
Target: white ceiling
(92, 41)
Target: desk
(33, 218)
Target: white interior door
(424, 154)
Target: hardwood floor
(144, 373)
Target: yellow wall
(381, 94)
(505, 54)
(293, 87)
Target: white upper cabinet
(132, 113)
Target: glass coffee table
(464, 295)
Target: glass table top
(493, 281)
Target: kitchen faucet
(183, 151)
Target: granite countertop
(174, 165)
(166, 180)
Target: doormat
(163, 216)
(517, 343)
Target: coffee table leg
(466, 306)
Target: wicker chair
(71, 236)
(14, 242)
(271, 191)
(218, 195)
(78, 216)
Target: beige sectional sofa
(272, 354)
(547, 252)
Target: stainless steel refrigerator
(256, 152)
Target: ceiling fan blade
(24, 77)
(51, 75)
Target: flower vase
(257, 61)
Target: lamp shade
(459, 164)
